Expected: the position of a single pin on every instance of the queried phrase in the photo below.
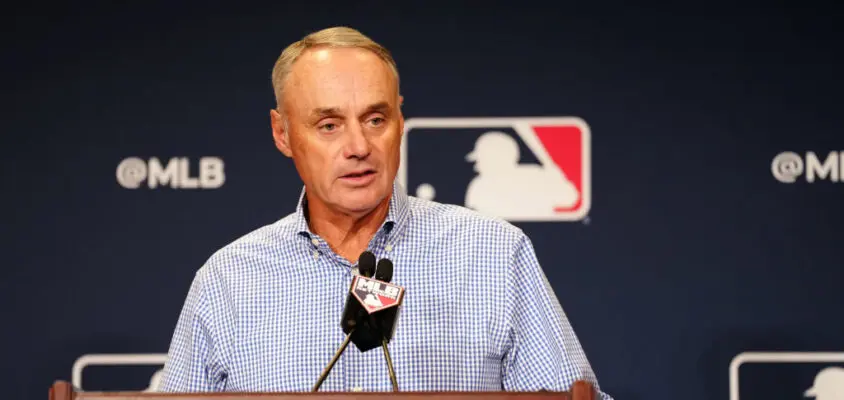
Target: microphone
(385, 321)
(379, 302)
(352, 314)
(376, 324)
(366, 264)
(384, 270)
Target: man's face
(344, 127)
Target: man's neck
(348, 235)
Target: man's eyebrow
(320, 112)
(324, 112)
(380, 106)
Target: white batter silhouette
(829, 385)
(154, 382)
(372, 300)
(509, 190)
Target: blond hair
(339, 36)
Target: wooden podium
(581, 390)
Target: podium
(580, 390)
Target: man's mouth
(359, 174)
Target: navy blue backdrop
(696, 247)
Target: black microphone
(366, 264)
(352, 314)
(378, 301)
(384, 271)
(385, 321)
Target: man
(263, 314)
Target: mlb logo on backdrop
(129, 372)
(787, 375)
(524, 169)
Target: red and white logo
(554, 185)
(122, 361)
(375, 295)
(826, 367)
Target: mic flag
(371, 312)
(375, 295)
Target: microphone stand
(389, 364)
(390, 370)
(336, 357)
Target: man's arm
(194, 362)
(546, 353)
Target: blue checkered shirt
(263, 314)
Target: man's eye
(377, 121)
(328, 127)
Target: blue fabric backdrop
(692, 251)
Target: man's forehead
(326, 64)
(330, 77)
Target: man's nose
(357, 143)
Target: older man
(263, 314)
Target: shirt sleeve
(545, 353)
(195, 358)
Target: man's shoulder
(260, 246)
(435, 217)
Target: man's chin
(361, 203)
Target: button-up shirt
(263, 314)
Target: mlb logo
(376, 295)
(118, 372)
(787, 375)
(527, 169)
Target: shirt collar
(398, 214)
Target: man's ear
(281, 136)
(401, 115)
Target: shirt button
(388, 247)
(316, 255)
(314, 241)
(357, 389)
(355, 271)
